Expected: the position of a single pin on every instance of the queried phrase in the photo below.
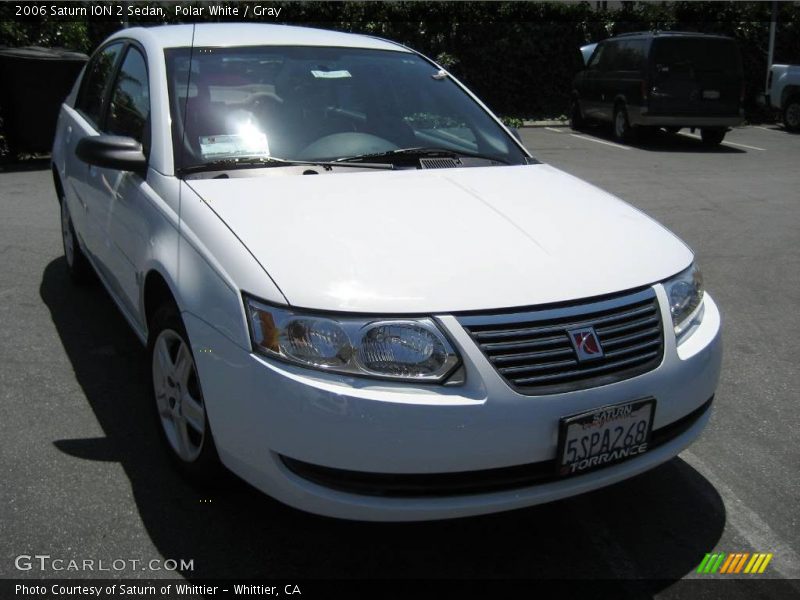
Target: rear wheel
(178, 399)
(791, 114)
(623, 131)
(80, 271)
(712, 137)
(576, 120)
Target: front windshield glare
(310, 103)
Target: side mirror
(112, 152)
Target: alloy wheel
(792, 116)
(179, 401)
(620, 124)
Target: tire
(80, 271)
(623, 132)
(791, 114)
(177, 400)
(712, 137)
(576, 119)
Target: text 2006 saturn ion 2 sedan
(358, 290)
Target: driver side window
(129, 110)
(94, 89)
(594, 62)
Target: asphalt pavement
(83, 476)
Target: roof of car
(250, 34)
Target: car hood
(438, 241)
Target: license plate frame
(586, 420)
(711, 95)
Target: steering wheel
(349, 143)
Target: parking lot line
(613, 145)
(744, 146)
(554, 129)
(749, 524)
(697, 137)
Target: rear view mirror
(112, 152)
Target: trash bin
(33, 83)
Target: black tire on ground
(712, 137)
(621, 127)
(576, 119)
(791, 114)
(78, 267)
(191, 451)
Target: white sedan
(358, 291)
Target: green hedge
(520, 57)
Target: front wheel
(623, 131)
(576, 119)
(712, 137)
(178, 400)
(791, 115)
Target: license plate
(710, 95)
(604, 436)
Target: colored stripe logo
(734, 562)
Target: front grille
(534, 353)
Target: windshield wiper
(256, 162)
(420, 152)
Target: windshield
(303, 103)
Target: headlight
(407, 349)
(685, 294)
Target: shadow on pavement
(661, 141)
(656, 527)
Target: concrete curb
(545, 123)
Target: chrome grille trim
(604, 367)
(531, 349)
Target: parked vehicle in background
(639, 82)
(35, 82)
(784, 94)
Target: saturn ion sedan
(358, 290)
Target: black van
(642, 81)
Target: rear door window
(94, 88)
(686, 57)
(631, 56)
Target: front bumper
(266, 414)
